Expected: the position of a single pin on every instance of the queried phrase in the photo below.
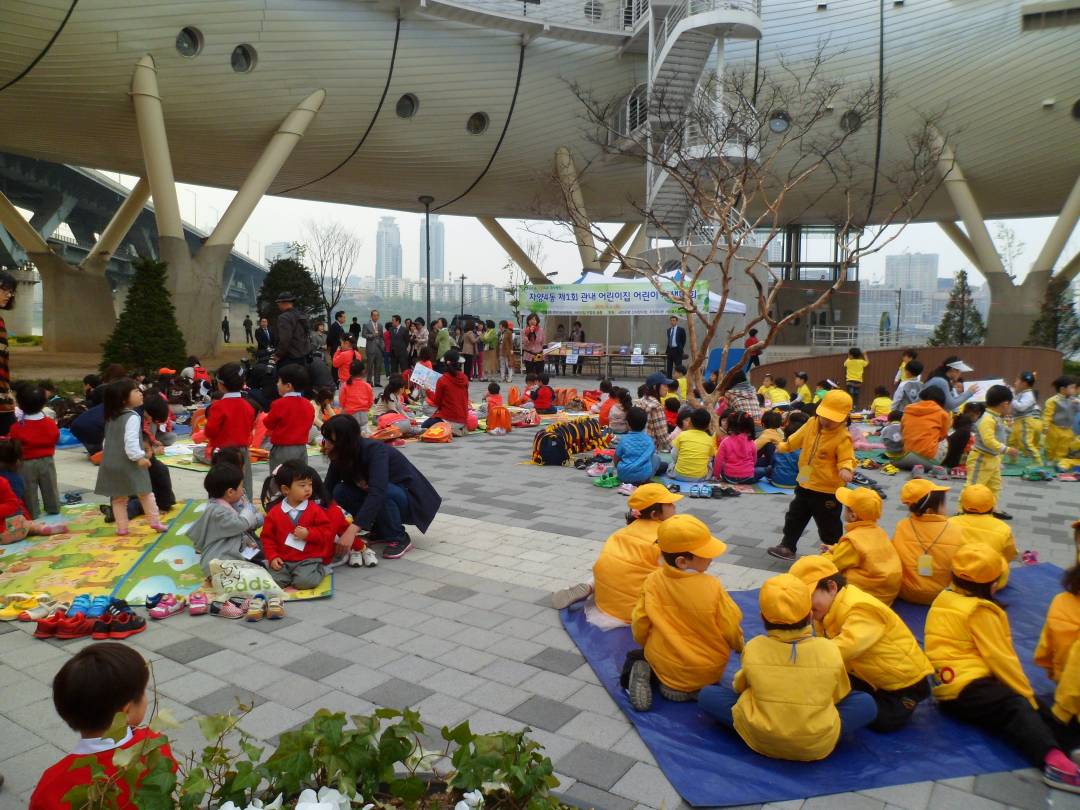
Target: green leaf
(409, 790)
(215, 725)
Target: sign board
(424, 377)
(571, 359)
(637, 360)
(637, 298)
(983, 386)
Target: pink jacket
(736, 457)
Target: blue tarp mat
(67, 439)
(710, 766)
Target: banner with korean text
(637, 298)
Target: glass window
(189, 42)
(243, 59)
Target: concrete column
(78, 313)
(118, 227)
(617, 244)
(150, 120)
(20, 230)
(637, 247)
(20, 318)
(1060, 233)
(575, 204)
(520, 257)
(959, 238)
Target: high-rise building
(912, 271)
(387, 249)
(277, 250)
(438, 238)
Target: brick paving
(460, 628)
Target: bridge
(86, 201)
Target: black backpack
(552, 450)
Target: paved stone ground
(460, 629)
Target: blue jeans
(858, 709)
(390, 522)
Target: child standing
(693, 449)
(230, 420)
(879, 651)
(1061, 413)
(772, 718)
(978, 676)
(225, 529)
(636, 459)
(865, 554)
(984, 460)
(97, 683)
(925, 541)
(289, 421)
(905, 372)
(506, 352)
(736, 457)
(38, 435)
(978, 525)
(344, 357)
(357, 395)
(125, 461)
(1026, 427)
(910, 385)
(686, 623)
(297, 534)
(854, 368)
(826, 463)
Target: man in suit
(399, 346)
(354, 330)
(264, 340)
(337, 332)
(676, 345)
(372, 334)
(249, 330)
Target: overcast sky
(472, 251)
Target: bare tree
(516, 277)
(331, 252)
(1010, 247)
(731, 167)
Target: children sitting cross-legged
(297, 534)
(785, 465)
(693, 449)
(767, 440)
(225, 529)
(977, 523)
(736, 458)
(978, 676)
(627, 558)
(636, 459)
(925, 541)
(792, 696)
(880, 653)
(684, 620)
(865, 554)
(95, 685)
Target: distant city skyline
(387, 249)
(438, 250)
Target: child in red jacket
(297, 535)
(291, 417)
(38, 435)
(230, 420)
(346, 533)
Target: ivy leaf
(409, 790)
(215, 725)
(460, 734)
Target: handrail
(687, 8)
(632, 113)
(865, 337)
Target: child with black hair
(357, 396)
(225, 529)
(991, 434)
(671, 412)
(905, 372)
(15, 521)
(803, 394)
(1026, 423)
(494, 397)
(230, 421)
(823, 387)
(678, 373)
(908, 390)
(960, 437)
(792, 697)
(925, 541)
(1061, 413)
(693, 449)
(10, 456)
(766, 442)
(636, 459)
(296, 535)
(38, 435)
(978, 677)
(736, 458)
(682, 422)
(543, 396)
(686, 623)
(622, 402)
(881, 405)
(394, 399)
(785, 465)
(1059, 654)
(322, 403)
(854, 369)
(289, 421)
(924, 427)
(778, 394)
(605, 387)
(95, 685)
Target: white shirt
(132, 442)
(294, 394)
(232, 395)
(294, 512)
(95, 745)
(672, 332)
(33, 417)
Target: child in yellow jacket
(880, 653)
(865, 554)
(925, 542)
(991, 434)
(979, 525)
(684, 620)
(629, 555)
(792, 697)
(826, 463)
(1059, 654)
(1059, 416)
(977, 675)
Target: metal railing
(608, 15)
(633, 12)
(845, 336)
(631, 115)
(687, 8)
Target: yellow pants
(986, 470)
(1060, 442)
(1024, 436)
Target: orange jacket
(924, 426)
(626, 559)
(357, 396)
(865, 555)
(1060, 631)
(930, 535)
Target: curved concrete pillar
(77, 306)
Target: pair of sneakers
(364, 558)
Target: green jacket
(491, 339)
(442, 343)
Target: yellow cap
(918, 488)
(651, 494)
(835, 405)
(977, 562)
(687, 533)
(863, 501)
(977, 498)
(813, 569)
(784, 599)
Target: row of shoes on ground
(164, 605)
(26, 606)
(252, 608)
(101, 618)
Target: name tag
(248, 552)
(292, 541)
(925, 565)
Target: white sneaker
(369, 558)
(568, 596)
(356, 559)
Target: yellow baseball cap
(863, 501)
(835, 405)
(784, 599)
(918, 488)
(977, 498)
(687, 533)
(651, 494)
(977, 562)
(812, 569)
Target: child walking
(357, 395)
(290, 418)
(125, 461)
(297, 534)
(38, 435)
(826, 463)
(854, 368)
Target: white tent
(731, 306)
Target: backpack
(498, 417)
(551, 450)
(200, 374)
(439, 433)
(579, 435)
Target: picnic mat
(89, 558)
(184, 461)
(171, 565)
(711, 766)
(762, 487)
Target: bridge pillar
(20, 319)
(78, 314)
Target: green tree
(146, 335)
(961, 325)
(290, 275)
(1058, 325)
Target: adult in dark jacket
(293, 343)
(675, 345)
(337, 332)
(89, 428)
(264, 340)
(377, 485)
(399, 346)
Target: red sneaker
(125, 624)
(46, 628)
(76, 627)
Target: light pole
(426, 200)
(462, 296)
